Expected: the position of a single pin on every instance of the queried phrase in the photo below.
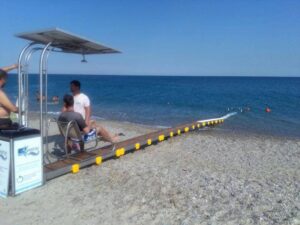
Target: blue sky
(165, 37)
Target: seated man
(69, 115)
(6, 106)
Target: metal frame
(55, 40)
(23, 82)
(66, 128)
(43, 82)
(24, 62)
(23, 96)
(12, 169)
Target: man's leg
(106, 135)
(92, 124)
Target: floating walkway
(83, 159)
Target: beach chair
(73, 137)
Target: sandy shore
(203, 177)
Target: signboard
(4, 167)
(28, 156)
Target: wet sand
(203, 177)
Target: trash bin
(21, 161)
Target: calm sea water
(167, 101)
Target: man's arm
(87, 109)
(87, 114)
(82, 125)
(7, 103)
(9, 68)
(86, 130)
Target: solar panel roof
(66, 42)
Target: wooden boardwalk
(84, 159)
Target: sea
(165, 101)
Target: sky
(164, 37)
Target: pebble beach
(203, 177)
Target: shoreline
(218, 129)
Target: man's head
(68, 101)
(75, 86)
(3, 77)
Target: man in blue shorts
(69, 115)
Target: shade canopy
(66, 42)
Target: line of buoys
(75, 168)
(247, 109)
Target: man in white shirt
(81, 101)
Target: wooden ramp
(83, 159)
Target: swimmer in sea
(37, 94)
(55, 99)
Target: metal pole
(12, 168)
(20, 80)
(26, 84)
(43, 71)
(46, 97)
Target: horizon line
(171, 75)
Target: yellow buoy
(137, 146)
(75, 168)
(98, 160)
(193, 127)
(161, 137)
(186, 129)
(203, 124)
(178, 132)
(171, 134)
(149, 141)
(120, 152)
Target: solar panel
(67, 42)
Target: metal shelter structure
(46, 41)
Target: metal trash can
(21, 161)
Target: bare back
(5, 105)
